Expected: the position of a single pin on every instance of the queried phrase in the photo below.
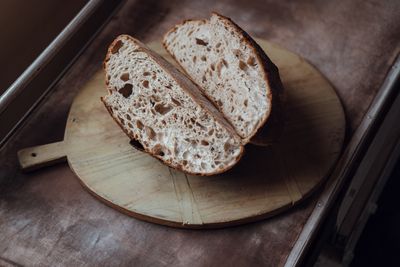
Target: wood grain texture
(46, 219)
(36, 157)
(266, 179)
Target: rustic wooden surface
(266, 180)
(47, 219)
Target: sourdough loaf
(165, 112)
(233, 72)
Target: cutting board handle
(33, 158)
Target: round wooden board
(265, 181)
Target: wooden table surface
(47, 219)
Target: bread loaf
(232, 71)
(165, 112)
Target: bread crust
(185, 85)
(266, 132)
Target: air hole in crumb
(218, 45)
(212, 67)
(242, 65)
(245, 103)
(146, 73)
(126, 91)
(224, 63)
(251, 61)
(185, 155)
(169, 86)
(128, 117)
(204, 143)
(158, 150)
(203, 58)
(160, 108)
(201, 126)
(211, 131)
(204, 79)
(184, 162)
(219, 103)
(227, 147)
(194, 59)
(203, 165)
(130, 125)
(33, 154)
(146, 83)
(124, 77)
(116, 47)
(176, 102)
(139, 124)
(150, 133)
(201, 42)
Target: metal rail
(345, 167)
(23, 80)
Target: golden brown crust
(168, 69)
(266, 132)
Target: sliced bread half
(165, 112)
(233, 71)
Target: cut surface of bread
(229, 67)
(165, 112)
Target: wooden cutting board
(267, 179)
